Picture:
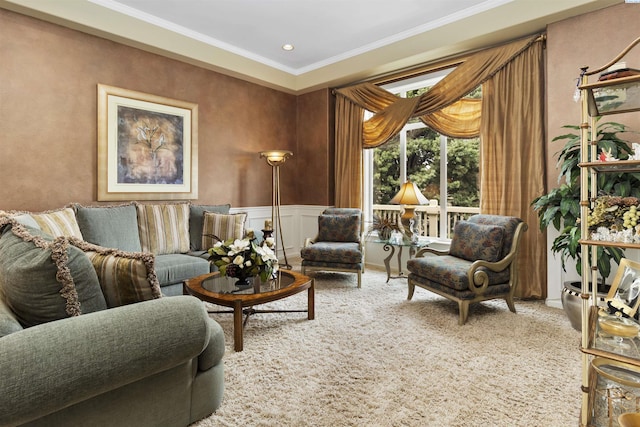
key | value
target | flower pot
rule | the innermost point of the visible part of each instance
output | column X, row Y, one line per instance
column 572, row 303
column 384, row 234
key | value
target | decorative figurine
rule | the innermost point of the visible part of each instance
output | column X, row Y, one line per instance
column 606, row 156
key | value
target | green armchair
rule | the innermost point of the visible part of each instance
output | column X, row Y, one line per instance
column 480, row 264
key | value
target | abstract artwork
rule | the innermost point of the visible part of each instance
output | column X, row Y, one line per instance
column 147, row 146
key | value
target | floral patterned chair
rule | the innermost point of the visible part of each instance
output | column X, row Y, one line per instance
column 479, row 265
column 338, row 245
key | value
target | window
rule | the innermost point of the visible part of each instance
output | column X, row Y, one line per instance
column 445, row 169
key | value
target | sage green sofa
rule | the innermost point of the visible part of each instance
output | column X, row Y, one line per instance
column 172, row 232
column 153, row 363
column 88, row 335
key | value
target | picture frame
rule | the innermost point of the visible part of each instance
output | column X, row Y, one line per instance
column 624, row 294
column 147, row 146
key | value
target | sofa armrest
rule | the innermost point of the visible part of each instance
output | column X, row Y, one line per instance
column 214, row 352
column 57, row 364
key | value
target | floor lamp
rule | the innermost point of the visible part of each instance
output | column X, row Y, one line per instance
column 275, row 158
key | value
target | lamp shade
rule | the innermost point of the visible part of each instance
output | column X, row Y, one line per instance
column 276, row 157
column 409, row 194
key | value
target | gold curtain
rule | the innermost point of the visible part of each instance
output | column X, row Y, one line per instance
column 349, row 168
column 511, row 128
column 512, row 153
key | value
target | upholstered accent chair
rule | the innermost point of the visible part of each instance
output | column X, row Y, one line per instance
column 480, row 264
column 339, row 245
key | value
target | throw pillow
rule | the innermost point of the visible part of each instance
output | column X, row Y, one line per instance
column 58, row 223
column 110, row 226
column 196, row 219
column 477, row 241
column 339, row 228
column 45, row 278
column 220, row 227
column 125, row 277
column 164, row 228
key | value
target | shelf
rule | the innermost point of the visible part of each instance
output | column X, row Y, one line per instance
column 604, row 345
column 613, row 96
column 616, row 166
column 608, row 243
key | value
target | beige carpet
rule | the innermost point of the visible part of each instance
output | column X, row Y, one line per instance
column 372, row 358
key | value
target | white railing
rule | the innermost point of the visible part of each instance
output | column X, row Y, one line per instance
column 428, row 217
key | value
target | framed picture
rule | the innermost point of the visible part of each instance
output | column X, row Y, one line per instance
column 147, row 146
column 625, row 289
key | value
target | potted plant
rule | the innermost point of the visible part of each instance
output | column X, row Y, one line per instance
column 384, row 227
column 560, row 207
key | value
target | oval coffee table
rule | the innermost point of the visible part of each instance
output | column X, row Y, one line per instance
column 221, row 290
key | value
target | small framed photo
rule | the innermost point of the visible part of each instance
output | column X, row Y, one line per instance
column 147, row 146
column 625, row 289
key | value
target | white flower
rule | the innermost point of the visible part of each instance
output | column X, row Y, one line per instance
column 217, row 244
column 248, row 263
column 239, row 245
column 270, row 242
column 266, row 254
column 239, row 260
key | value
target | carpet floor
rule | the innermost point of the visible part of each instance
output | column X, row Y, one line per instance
column 373, row 358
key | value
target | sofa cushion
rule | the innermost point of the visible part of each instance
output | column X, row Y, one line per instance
column 125, row 277
column 477, row 241
column 196, row 221
column 176, row 268
column 61, row 222
column 341, row 252
column 45, row 278
column 220, row 227
column 451, row 271
column 8, row 322
column 164, row 228
column 339, row 228
column 110, row 226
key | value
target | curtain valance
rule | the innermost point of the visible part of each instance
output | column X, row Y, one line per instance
column 442, row 107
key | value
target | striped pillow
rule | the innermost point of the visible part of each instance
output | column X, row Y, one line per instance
column 58, row 223
column 125, row 277
column 223, row 227
column 164, row 229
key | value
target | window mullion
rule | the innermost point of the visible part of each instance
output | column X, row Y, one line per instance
column 444, row 220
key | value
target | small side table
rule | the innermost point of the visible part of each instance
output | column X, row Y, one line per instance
column 389, row 246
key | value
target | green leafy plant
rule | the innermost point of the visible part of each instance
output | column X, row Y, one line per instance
column 560, row 207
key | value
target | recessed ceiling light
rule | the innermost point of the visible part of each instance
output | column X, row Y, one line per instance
column 287, row 47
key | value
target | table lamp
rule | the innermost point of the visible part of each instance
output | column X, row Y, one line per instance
column 275, row 158
column 409, row 197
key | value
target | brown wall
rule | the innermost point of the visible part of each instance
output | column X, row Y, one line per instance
column 48, row 136
column 593, row 40
column 315, row 111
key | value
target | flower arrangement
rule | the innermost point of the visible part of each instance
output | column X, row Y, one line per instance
column 244, row 258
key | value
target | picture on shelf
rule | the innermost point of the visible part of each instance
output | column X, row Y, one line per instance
column 623, row 298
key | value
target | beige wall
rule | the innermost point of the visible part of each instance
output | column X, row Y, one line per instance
column 590, row 40
column 48, row 137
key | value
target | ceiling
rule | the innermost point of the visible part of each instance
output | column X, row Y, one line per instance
column 335, row 41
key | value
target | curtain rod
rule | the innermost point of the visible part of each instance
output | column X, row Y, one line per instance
column 428, row 67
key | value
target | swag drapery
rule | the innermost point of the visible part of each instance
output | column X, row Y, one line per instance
column 509, row 120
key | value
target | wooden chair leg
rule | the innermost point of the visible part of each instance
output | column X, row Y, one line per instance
column 509, row 300
column 412, row 288
column 464, row 312
column 359, row 279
